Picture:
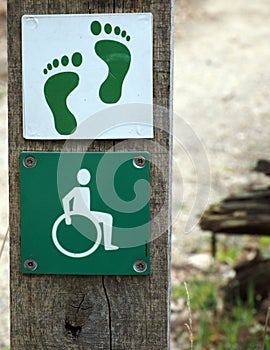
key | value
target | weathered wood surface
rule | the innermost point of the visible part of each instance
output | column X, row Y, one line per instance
column 92, row 312
column 245, row 213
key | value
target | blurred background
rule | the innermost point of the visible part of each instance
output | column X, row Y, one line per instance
column 221, row 128
column 222, row 90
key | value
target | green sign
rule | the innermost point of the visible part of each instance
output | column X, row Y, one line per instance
column 85, row 213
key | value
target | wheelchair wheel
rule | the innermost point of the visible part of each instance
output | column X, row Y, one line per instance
column 90, row 217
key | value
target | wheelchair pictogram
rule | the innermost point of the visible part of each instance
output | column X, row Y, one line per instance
column 77, row 203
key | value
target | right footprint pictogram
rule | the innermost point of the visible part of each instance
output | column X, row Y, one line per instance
column 117, row 57
column 57, row 89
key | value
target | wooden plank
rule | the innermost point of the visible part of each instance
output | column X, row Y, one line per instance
column 243, row 213
column 93, row 312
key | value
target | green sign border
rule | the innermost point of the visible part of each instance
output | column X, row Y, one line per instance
column 117, row 187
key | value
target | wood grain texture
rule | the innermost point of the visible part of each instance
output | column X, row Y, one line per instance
column 93, row 312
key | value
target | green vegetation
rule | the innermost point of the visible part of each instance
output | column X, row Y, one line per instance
column 264, row 243
column 233, row 329
column 228, row 253
column 202, row 294
column 213, row 325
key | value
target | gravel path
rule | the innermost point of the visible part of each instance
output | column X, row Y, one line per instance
column 222, row 90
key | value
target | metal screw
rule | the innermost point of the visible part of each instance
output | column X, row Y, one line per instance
column 30, row 264
column 29, row 161
column 139, row 161
column 140, row 266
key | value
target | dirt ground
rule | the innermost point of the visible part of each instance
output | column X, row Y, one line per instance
column 222, row 109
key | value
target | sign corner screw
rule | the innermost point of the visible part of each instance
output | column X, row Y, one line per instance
column 139, row 161
column 140, row 266
column 29, row 161
column 30, row 264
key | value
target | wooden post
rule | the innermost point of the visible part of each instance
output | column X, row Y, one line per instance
column 93, row 312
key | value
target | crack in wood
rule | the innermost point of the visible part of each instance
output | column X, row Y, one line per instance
column 80, row 305
column 80, row 308
column 109, row 310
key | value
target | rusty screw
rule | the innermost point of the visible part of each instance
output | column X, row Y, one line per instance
column 139, row 161
column 30, row 264
column 29, row 161
column 140, row 266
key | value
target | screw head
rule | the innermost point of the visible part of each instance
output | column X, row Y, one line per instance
column 29, row 161
column 140, row 266
column 139, row 161
column 30, row 264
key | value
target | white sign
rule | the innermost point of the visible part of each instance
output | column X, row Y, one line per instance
column 87, row 76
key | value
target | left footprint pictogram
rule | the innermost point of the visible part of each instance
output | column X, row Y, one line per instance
column 58, row 88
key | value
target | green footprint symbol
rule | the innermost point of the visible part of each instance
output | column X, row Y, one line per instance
column 56, row 91
column 117, row 57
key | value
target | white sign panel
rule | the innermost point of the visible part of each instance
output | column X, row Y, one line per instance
column 87, row 76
